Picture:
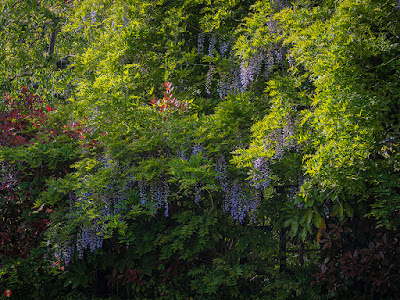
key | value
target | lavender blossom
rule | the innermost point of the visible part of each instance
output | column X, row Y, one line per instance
column 142, row 192
column 272, row 26
column 93, row 15
column 89, row 238
column 126, row 21
column 159, row 192
column 223, row 47
column 210, row 75
column 239, row 203
column 211, row 47
column 291, row 60
column 221, row 173
column 250, row 68
column 197, row 149
column 197, row 195
column 260, row 173
column 200, row 43
column 325, row 209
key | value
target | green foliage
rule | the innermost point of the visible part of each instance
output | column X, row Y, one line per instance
column 21, row 277
column 33, row 50
column 198, row 147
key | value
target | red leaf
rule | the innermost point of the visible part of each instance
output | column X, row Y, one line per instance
column 371, row 245
column 49, row 108
column 327, row 245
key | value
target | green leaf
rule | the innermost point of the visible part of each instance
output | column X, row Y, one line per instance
column 348, row 210
column 316, row 219
column 309, row 215
column 295, row 227
column 288, row 222
column 303, row 234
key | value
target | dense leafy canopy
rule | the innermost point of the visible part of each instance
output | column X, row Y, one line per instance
column 200, row 149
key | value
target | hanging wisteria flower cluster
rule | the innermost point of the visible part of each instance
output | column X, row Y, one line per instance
column 260, row 174
column 250, row 68
column 155, row 192
column 239, row 200
column 93, row 15
column 64, row 253
column 89, row 238
column 197, row 150
column 282, row 139
column 280, row 4
column 244, row 70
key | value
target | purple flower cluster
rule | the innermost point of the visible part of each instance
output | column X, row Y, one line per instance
column 159, row 192
column 211, row 47
column 200, row 43
column 260, row 173
column 221, row 173
column 106, row 209
column 89, row 238
column 209, row 77
column 126, row 21
column 197, row 149
column 269, row 65
column 93, row 15
column 279, row 54
column 251, row 67
column 292, row 193
column 243, row 71
column 223, row 44
column 291, row 61
column 282, row 139
column 64, row 253
column 223, row 47
column 326, row 210
column 272, row 26
column 277, row 137
column 142, row 192
column 288, row 131
column 223, row 88
column 230, row 83
column 197, row 193
column 281, row 4
column 57, row 252
column 239, row 202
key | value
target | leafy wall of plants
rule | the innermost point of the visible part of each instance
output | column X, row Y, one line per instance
column 201, row 149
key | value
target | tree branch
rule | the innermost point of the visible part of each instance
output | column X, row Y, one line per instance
column 25, row 74
column 53, row 39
